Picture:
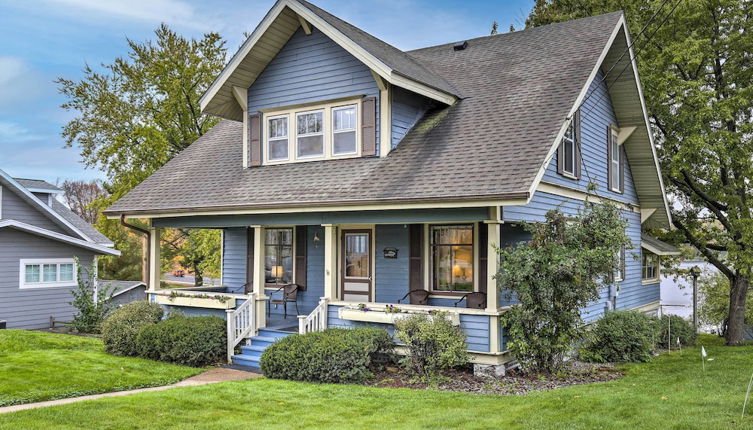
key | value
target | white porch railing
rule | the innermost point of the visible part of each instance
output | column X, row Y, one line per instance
column 315, row 321
column 241, row 324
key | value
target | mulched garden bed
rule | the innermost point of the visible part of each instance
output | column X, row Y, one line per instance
column 515, row 382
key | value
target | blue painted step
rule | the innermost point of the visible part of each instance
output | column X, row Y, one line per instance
column 250, row 355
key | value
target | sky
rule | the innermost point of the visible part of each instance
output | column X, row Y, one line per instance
column 46, row 39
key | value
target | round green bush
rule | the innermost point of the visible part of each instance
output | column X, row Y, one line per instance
column 332, row 356
column 191, row 341
column 120, row 329
column 621, row 336
column 432, row 342
column 672, row 327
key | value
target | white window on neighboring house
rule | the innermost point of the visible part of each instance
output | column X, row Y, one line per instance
column 344, row 123
column 43, row 273
column 310, row 135
column 278, row 144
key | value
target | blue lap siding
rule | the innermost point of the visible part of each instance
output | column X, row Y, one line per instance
column 311, row 68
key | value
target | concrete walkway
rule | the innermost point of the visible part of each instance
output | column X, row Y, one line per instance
column 212, row 376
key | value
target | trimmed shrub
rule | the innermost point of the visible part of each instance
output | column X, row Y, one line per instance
column 120, row 329
column 621, row 336
column 432, row 342
column 191, row 341
column 679, row 327
column 332, row 356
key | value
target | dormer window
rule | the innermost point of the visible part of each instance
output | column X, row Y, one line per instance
column 310, row 139
column 344, row 130
column 277, row 142
column 319, row 132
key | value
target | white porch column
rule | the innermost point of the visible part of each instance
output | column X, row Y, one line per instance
column 155, row 268
column 330, row 261
column 258, row 277
column 492, row 260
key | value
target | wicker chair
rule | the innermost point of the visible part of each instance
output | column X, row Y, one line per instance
column 289, row 295
column 417, row 297
column 473, row 300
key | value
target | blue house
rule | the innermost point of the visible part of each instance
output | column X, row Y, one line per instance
column 346, row 173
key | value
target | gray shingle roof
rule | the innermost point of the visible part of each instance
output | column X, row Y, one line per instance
column 79, row 223
column 657, row 246
column 396, row 59
column 119, row 287
column 518, row 89
column 37, row 183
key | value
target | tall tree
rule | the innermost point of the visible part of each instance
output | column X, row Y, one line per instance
column 696, row 72
column 80, row 196
column 140, row 111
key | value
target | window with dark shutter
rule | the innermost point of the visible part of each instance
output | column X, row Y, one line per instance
column 301, row 249
column 368, row 127
column 249, row 287
column 483, row 255
column 415, row 263
column 254, row 139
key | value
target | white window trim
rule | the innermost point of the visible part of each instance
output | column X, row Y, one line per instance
column 327, row 130
column 621, row 256
column 293, row 244
column 41, row 261
column 615, row 170
column 321, row 133
column 267, row 138
column 348, row 130
column 429, row 264
column 656, row 278
column 565, row 140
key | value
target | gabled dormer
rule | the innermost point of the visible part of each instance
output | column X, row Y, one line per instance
column 310, row 87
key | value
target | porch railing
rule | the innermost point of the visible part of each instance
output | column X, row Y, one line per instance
column 241, row 324
column 315, row 321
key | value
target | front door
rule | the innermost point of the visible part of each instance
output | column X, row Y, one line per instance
column 356, row 265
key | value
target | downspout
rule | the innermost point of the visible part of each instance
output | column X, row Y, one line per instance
column 144, row 247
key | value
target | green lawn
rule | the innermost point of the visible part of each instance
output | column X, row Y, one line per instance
column 669, row 393
column 37, row 366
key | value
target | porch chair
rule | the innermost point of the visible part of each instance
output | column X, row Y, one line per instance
column 475, row 300
column 417, row 297
column 289, row 294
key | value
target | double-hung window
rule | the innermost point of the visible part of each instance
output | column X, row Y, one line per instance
column 278, row 255
column 313, row 132
column 47, row 273
column 278, row 145
column 569, row 152
column 310, row 136
column 619, row 271
column 615, row 162
column 452, row 257
column 344, row 130
column 650, row 265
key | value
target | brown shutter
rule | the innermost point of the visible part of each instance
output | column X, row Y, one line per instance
column 368, row 126
column 609, row 158
column 254, row 139
column 561, row 158
column 483, row 255
column 415, row 260
column 576, row 132
column 249, row 261
column 301, row 232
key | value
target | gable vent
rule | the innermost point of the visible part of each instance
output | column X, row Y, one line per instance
column 459, row 46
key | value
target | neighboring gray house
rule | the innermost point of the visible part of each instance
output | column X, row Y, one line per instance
column 124, row 291
column 39, row 241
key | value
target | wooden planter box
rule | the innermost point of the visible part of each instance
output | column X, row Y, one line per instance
column 383, row 317
column 196, row 302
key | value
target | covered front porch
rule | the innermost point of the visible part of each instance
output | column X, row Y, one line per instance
column 300, row 272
